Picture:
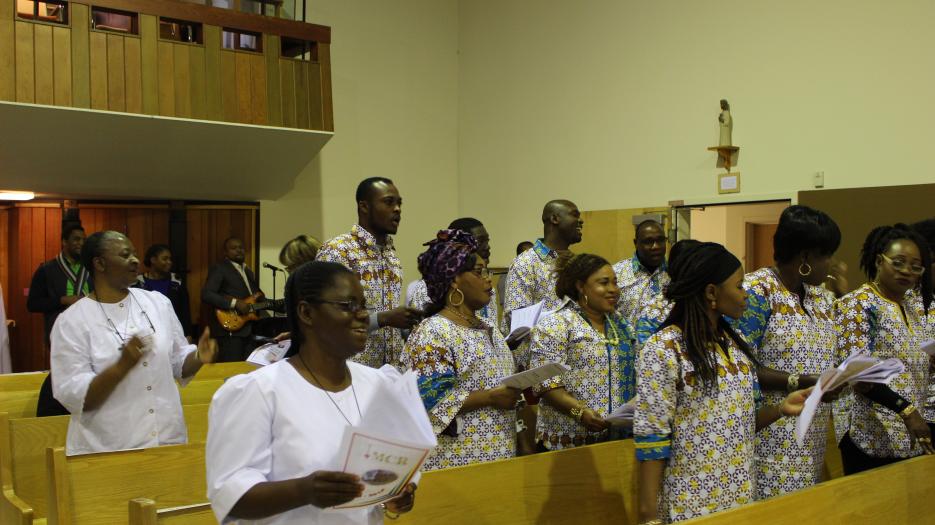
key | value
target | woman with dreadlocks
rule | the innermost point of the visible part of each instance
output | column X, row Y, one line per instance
column 698, row 407
column 460, row 359
column 881, row 424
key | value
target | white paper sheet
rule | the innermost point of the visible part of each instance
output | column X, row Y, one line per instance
column 534, row 376
column 525, row 318
column 856, row 368
column 928, row 346
column 269, row 353
column 623, row 415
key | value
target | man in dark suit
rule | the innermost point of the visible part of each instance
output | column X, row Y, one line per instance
column 229, row 283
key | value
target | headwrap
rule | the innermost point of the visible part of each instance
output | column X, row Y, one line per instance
column 443, row 259
column 715, row 265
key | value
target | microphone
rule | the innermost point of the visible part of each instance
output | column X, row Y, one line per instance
column 271, row 267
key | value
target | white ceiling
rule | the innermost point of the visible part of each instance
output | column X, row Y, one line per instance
column 80, row 152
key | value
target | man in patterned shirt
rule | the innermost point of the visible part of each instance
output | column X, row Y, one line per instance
column 368, row 250
column 530, row 278
column 644, row 275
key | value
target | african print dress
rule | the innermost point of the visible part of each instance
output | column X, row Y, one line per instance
column 704, row 433
column 452, row 361
column 601, row 375
column 791, row 339
column 652, row 316
column 867, row 322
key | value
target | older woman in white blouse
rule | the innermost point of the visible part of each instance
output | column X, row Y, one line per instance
column 117, row 354
column 274, row 434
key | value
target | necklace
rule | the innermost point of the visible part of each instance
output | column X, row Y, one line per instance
column 472, row 322
column 126, row 323
column 333, row 402
column 614, row 338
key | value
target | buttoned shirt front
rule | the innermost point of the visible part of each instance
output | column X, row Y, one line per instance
column 638, row 286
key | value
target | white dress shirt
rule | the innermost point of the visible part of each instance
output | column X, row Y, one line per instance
column 145, row 409
column 273, row 425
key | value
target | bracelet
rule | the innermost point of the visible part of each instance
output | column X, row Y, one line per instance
column 576, row 412
column 908, row 411
column 792, row 383
column 387, row 513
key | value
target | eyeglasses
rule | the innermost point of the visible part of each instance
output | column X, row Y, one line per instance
column 481, row 272
column 348, row 306
column 901, row 265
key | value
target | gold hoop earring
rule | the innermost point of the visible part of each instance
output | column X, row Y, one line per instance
column 451, row 301
column 805, row 273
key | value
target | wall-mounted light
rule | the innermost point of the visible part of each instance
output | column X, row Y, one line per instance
column 17, row 195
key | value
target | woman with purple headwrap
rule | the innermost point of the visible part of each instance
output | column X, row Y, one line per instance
column 460, row 359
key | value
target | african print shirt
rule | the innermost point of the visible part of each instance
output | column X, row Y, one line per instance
column 704, row 433
column 420, row 297
column 651, row 317
column 638, row 286
column 791, row 339
column 867, row 322
column 452, row 361
column 381, row 276
column 601, row 375
column 928, row 412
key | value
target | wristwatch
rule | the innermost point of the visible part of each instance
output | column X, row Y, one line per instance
column 576, row 412
column 792, row 383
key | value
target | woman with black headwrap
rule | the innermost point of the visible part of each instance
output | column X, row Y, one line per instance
column 461, row 359
column 698, row 407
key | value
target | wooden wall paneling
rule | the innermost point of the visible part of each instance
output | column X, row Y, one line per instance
column 243, row 85
column 196, row 63
column 301, row 95
column 42, row 49
column 213, row 106
column 198, row 265
column 287, row 75
column 5, row 253
column 133, row 78
column 116, row 73
column 315, row 115
column 229, row 86
column 25, row 63
column 327, row 110
column 61, row 48
column 97, row 44
column 166, row 76
column 258, row 91
column 149, row 69
column 80, row 56
column 183, row 81
column 7, row 52
column 272, row 50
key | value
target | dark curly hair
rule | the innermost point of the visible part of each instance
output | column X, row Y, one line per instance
column 154, row 251
column 572, row 269
column 307, row 284
column 804, row 229
column 881, row 238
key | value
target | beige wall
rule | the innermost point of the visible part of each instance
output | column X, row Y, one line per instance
column 612, row 104
column 395, row 84
column 728, row 224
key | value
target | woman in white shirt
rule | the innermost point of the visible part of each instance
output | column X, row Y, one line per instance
column 274, row 434
column 116, row 355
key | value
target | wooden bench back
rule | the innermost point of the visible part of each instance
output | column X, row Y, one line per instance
column 96, row 488
column 22, row 381
column 144, row 511
column 594, row 484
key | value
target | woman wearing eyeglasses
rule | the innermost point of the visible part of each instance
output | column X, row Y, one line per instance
column 881, row 424
column 274, row 435
column 460, row 359
column 591, row 338
column 116, row 355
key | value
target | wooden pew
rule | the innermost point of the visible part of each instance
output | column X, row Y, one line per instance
column 593, row 484
column 224, row 370
column 22, row 381
column 898, row 493
column 23, row 444
column 144, row 511
column 96, row 488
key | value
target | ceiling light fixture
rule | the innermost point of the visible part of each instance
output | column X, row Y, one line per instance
column 17, row 195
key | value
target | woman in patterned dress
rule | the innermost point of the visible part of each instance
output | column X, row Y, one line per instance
column 698, row 397
column 460, row 359
column 594, row 341
column 880, row 424
column 788, row 323
column 926, row 229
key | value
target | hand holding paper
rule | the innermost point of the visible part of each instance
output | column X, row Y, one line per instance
column 533, row 377
column 623, row 415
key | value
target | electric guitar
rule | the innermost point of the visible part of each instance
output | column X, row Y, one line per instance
column 232, row 321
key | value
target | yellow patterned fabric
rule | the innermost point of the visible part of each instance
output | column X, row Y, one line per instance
column 791, row 339
column 601, row 375
column 531, row 279
column 928, row 412
column 420, row 297
column 452, row 361
column 705, row 434
column 638, row 286
column 867, row 322
column 381, row 276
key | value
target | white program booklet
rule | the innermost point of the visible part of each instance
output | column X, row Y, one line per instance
column 523, row 319
column 623, row 415
column 534, row 376
column 856, row 368
column 269, row 353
